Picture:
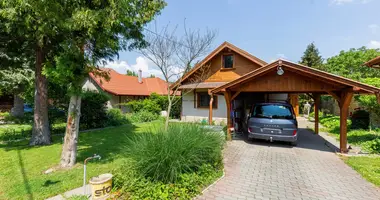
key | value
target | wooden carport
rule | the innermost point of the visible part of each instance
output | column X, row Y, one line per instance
column 296, row 79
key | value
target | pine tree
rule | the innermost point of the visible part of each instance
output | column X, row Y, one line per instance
column 131, row 73
column 311, row 57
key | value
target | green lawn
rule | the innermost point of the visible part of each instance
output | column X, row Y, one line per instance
column 22, row 167
column 367, row 166
column 20, row 131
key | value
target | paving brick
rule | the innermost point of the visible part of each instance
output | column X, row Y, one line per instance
column 262, row 170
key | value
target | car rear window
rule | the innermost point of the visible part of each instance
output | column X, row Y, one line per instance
column 272, row 111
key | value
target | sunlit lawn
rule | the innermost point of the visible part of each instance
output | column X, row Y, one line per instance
column 367, row 166
column 22, row 167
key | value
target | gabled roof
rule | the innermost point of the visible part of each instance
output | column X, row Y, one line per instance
column 214, row 53
column 321, row 75
column 375, row 63
column 120, row 84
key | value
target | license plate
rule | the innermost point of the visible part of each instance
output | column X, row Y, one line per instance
column 272, row 131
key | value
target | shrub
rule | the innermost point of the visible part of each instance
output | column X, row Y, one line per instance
column 142, row 116
column 372, row 146
column 94, row 110
column 184, row 148
column 360, row 119
column 134, row 186
column 156, row 103
column 116, row 118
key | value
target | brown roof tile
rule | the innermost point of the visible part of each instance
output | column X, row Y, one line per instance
column 120, row 84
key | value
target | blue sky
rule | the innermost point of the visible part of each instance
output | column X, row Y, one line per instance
column 270, row 29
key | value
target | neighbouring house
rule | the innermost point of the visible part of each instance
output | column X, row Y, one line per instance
column 234, row 80
column 123, row 88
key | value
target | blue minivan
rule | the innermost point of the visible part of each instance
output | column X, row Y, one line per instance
column 273, row 122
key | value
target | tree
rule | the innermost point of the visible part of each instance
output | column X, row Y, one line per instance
column 33, row 27
column 174, row 57
column 311, row 57
column 350, row 63
column 93, row 36
column 16, row 81
column 131, row 73
column 152, row 76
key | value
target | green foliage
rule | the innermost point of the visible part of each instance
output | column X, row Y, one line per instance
column 9, row 119
column 349, row 63
column 116, row 118
column 22, row 131
column 142, row 116
column 93, row 110
column 184, row 148
column 311, row 57
column 369, row 102
column 16, row 80
column 131, row 73
column 135, row 186
column 154, row 104
column 360, row 119
column 372, row 146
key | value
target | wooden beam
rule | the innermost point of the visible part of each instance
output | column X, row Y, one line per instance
column 236, row 94
column 227, row 96
column 310, row 95
column 346, row 98
column 210, row 109
column 334, row 95
column 378, row 97
column 317, row 102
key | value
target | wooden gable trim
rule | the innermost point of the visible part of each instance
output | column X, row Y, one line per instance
column 213, row 54
column 373, row 62
column 308, row 70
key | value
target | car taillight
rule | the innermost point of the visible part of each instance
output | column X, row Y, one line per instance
column 294, row 132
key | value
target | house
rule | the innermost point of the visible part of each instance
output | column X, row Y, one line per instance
column 226, row 63
column 123, row 88
column 235, row 80
column 374, row 63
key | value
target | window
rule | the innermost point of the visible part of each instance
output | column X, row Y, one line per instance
column 228, row 61
column 272, row 111
column 203, row 100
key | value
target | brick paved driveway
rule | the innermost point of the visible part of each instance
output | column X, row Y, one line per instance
column 261, row 170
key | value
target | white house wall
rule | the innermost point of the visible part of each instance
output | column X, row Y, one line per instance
column 191, row 114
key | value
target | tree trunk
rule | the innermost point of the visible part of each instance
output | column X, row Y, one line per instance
column 18, row 106
column 168, row 113
column 41, row 131
column 69, row 149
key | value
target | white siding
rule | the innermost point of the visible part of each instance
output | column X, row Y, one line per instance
column 191, row 114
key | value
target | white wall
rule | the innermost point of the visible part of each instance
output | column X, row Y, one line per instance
column 191, row 114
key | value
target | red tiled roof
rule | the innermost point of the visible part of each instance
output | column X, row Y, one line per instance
column 120, row 84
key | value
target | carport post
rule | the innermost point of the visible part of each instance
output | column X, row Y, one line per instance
column 317, row 102
column 227, row 96
column 344, row 105
column 210, row 108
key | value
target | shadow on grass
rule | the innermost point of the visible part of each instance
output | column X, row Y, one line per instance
column 108, row 143
column 24, row 176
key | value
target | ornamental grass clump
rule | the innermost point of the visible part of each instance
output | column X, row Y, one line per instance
column 164, row 155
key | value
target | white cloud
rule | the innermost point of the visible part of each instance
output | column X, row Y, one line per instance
column 374, row 28
column 341, row 2
column 373, row 44
column 142, row 63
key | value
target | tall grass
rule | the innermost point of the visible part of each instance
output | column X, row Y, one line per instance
column 164, row 155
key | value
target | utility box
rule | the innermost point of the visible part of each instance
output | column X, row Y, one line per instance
column 101, row 186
